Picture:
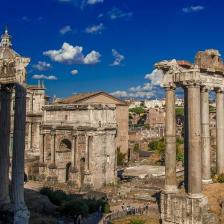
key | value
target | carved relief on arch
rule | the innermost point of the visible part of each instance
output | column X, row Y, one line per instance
column 60, row 138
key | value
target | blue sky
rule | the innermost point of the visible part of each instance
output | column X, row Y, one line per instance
column 109, row 45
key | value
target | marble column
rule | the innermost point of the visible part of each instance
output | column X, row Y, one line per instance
column 170, row 135
column 87, row 153
column 5, row 99
column 220, row 131
column 186, row 139
column 21, row 213
column 194, row 142
column 42, row 143
column 53, row 149
column 74, row 150
column 205, row 136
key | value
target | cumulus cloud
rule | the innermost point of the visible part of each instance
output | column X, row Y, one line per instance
column 116, row 13
column 74, row 72
column 42, row 66
column 65, row 29
column 118, row 58
column 147, row 90
column 73, row 55
column 195, row 8
column 93, row 2
column 95, row 29
column 50, row 77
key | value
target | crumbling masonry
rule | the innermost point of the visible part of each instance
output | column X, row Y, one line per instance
column 206, row 74
column 12, row 79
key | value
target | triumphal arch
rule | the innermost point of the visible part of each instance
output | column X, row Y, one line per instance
column 198, row 79
column 12, row 80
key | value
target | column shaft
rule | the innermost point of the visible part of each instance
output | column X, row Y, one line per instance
column 186, row 139
column 220, row 131
column 170, row 133
column 194, row 142
column 205, row 137
column 5, row 99
column 53, row 149
column 74, row 150
column 42, row 148
column 87, row 153
column 21, row 214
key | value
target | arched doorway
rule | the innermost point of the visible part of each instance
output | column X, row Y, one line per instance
column 82, row 170
column 68, row 167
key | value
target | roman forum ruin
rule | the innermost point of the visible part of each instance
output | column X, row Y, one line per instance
column 12, row 80
column 197, row 80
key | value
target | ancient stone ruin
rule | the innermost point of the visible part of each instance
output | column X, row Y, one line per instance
column 197, row 80
column 12, row 79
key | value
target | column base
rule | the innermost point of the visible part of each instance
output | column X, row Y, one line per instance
column 21, row 215
column 171, row 189
column 195, row 196
column 209, row 181
column 180, row 209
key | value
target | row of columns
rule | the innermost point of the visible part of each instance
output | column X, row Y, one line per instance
column 21, row 214
column 74, row 156
column 197, row 138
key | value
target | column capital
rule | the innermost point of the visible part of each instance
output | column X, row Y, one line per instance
column 206, row 89
column 191, row 83
column 169, row 86
column 219, row 90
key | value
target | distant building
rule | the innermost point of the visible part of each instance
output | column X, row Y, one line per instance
column 154, row 103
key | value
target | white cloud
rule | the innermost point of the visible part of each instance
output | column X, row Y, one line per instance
column 119, row 93
column 190, row 9
column 118, row 58
column 155, row 77
column 147, row 90
column 92, row 58
column 95, row 29
column 65, row 29
column 74, row 72
column 93, row 2
column 42, row 66
column 116, row 13
column 73, row 55
column 50, row 77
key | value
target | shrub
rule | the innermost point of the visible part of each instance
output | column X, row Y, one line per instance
column 120, row 158
column 75, row 207
column 220, row 178
column 106, row 208
column 56, row 197
column 137, row 221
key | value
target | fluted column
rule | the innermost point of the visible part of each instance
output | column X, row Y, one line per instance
column 194, row 142
column 220, row 131
column 205, row 136
column 170, row 135
column 21, row 213
column 5, row 99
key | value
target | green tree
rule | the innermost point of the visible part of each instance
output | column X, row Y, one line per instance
column 137, row 110
column 120, row 158
column 179, row 111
